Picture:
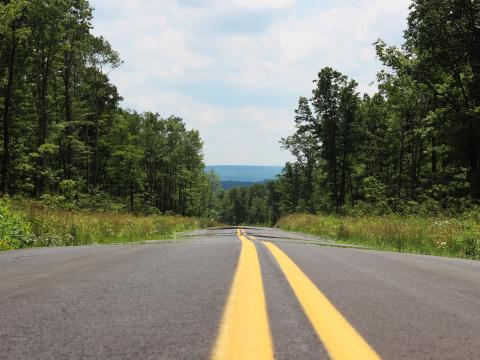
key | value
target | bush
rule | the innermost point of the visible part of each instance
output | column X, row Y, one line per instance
column 60, row 227
column 49, row 223
column 15, row 231
column 445, row 236
column 467, row 244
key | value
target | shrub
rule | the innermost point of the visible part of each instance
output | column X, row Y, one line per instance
column 446, row 236
column 468, row 244
column 34, row 223
column 14, row 229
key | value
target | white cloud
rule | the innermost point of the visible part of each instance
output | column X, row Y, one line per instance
column 261, row 4
column 234, row 69
column 253, row 5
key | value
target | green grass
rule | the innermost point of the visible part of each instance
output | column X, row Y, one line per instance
column 56, row 227
column 454, row 237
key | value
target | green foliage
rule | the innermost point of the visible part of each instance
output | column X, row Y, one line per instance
column 246, row 206
column 456, row 237
column 15, row 232
column 33, row 223
column 65, row 138
column 412, row 148
column 467, row 244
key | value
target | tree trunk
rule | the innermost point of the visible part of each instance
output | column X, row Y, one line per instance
column 343, row 179
column 400, row 162
column 131, row 197
column 334, row 164
column 6, row 113
column 68, row 112
column 474, row 48
column 95, row 146
column 308, row 175
column 40, row 183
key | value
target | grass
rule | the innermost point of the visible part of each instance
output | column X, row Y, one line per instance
column 454, row 237
column 56, row 227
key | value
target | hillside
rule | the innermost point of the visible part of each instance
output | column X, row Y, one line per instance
column 245, row 173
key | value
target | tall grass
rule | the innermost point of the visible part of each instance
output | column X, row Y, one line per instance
column 57, row 227
column 455, row 237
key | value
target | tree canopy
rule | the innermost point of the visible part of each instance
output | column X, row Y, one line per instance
column 413, row 146
column 64, row 135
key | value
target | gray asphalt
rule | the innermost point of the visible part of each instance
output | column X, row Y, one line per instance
column 165, row 300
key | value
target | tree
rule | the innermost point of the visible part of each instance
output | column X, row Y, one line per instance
column 63, row 128
column 303, row 145
column 13, row 32
column 335, row 102
column 444, row 39
column 124, row 167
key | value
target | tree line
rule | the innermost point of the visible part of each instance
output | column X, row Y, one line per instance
column 411, row 147
column 65, row 137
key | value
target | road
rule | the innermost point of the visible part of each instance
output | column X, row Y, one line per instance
column 251, row 293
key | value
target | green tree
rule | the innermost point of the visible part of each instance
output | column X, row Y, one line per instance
column 304, row 146
column 335, row 101
column 13, row 33
column 124, row 168
column 444, row 39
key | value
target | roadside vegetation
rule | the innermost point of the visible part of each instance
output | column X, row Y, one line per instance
column 34, row 224
column 63, row 131
column 443, row 236
column 398, row 169
column 78, row 168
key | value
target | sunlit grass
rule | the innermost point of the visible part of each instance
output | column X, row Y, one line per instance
column 456, row 237
column 57, row 227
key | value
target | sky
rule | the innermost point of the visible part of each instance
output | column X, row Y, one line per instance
column 234, row 69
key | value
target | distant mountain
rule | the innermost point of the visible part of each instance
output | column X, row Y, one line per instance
column 227, row 185
column 245, row 173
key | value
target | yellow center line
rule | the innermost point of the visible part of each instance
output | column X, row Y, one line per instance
column 250, row 237
column 341, row 340
column 245, row 331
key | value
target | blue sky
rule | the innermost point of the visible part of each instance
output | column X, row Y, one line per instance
column 234, row 69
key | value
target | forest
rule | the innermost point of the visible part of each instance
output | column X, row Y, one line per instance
column 65, row 139
column 412, row 147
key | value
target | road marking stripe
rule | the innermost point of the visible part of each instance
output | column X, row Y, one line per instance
column 249, row 237
column 245, row 331
column 341, row 340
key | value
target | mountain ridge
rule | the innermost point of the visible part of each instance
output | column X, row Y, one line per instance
column 245, row 173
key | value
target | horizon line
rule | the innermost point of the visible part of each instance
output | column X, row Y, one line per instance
column 244, row 165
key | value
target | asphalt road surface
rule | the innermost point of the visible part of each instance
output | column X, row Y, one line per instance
column 230, row 293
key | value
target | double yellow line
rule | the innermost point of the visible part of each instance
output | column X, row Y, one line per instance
column 245, row 330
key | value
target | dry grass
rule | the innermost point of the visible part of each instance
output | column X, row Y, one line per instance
column 56, row 227
column 456, row 237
